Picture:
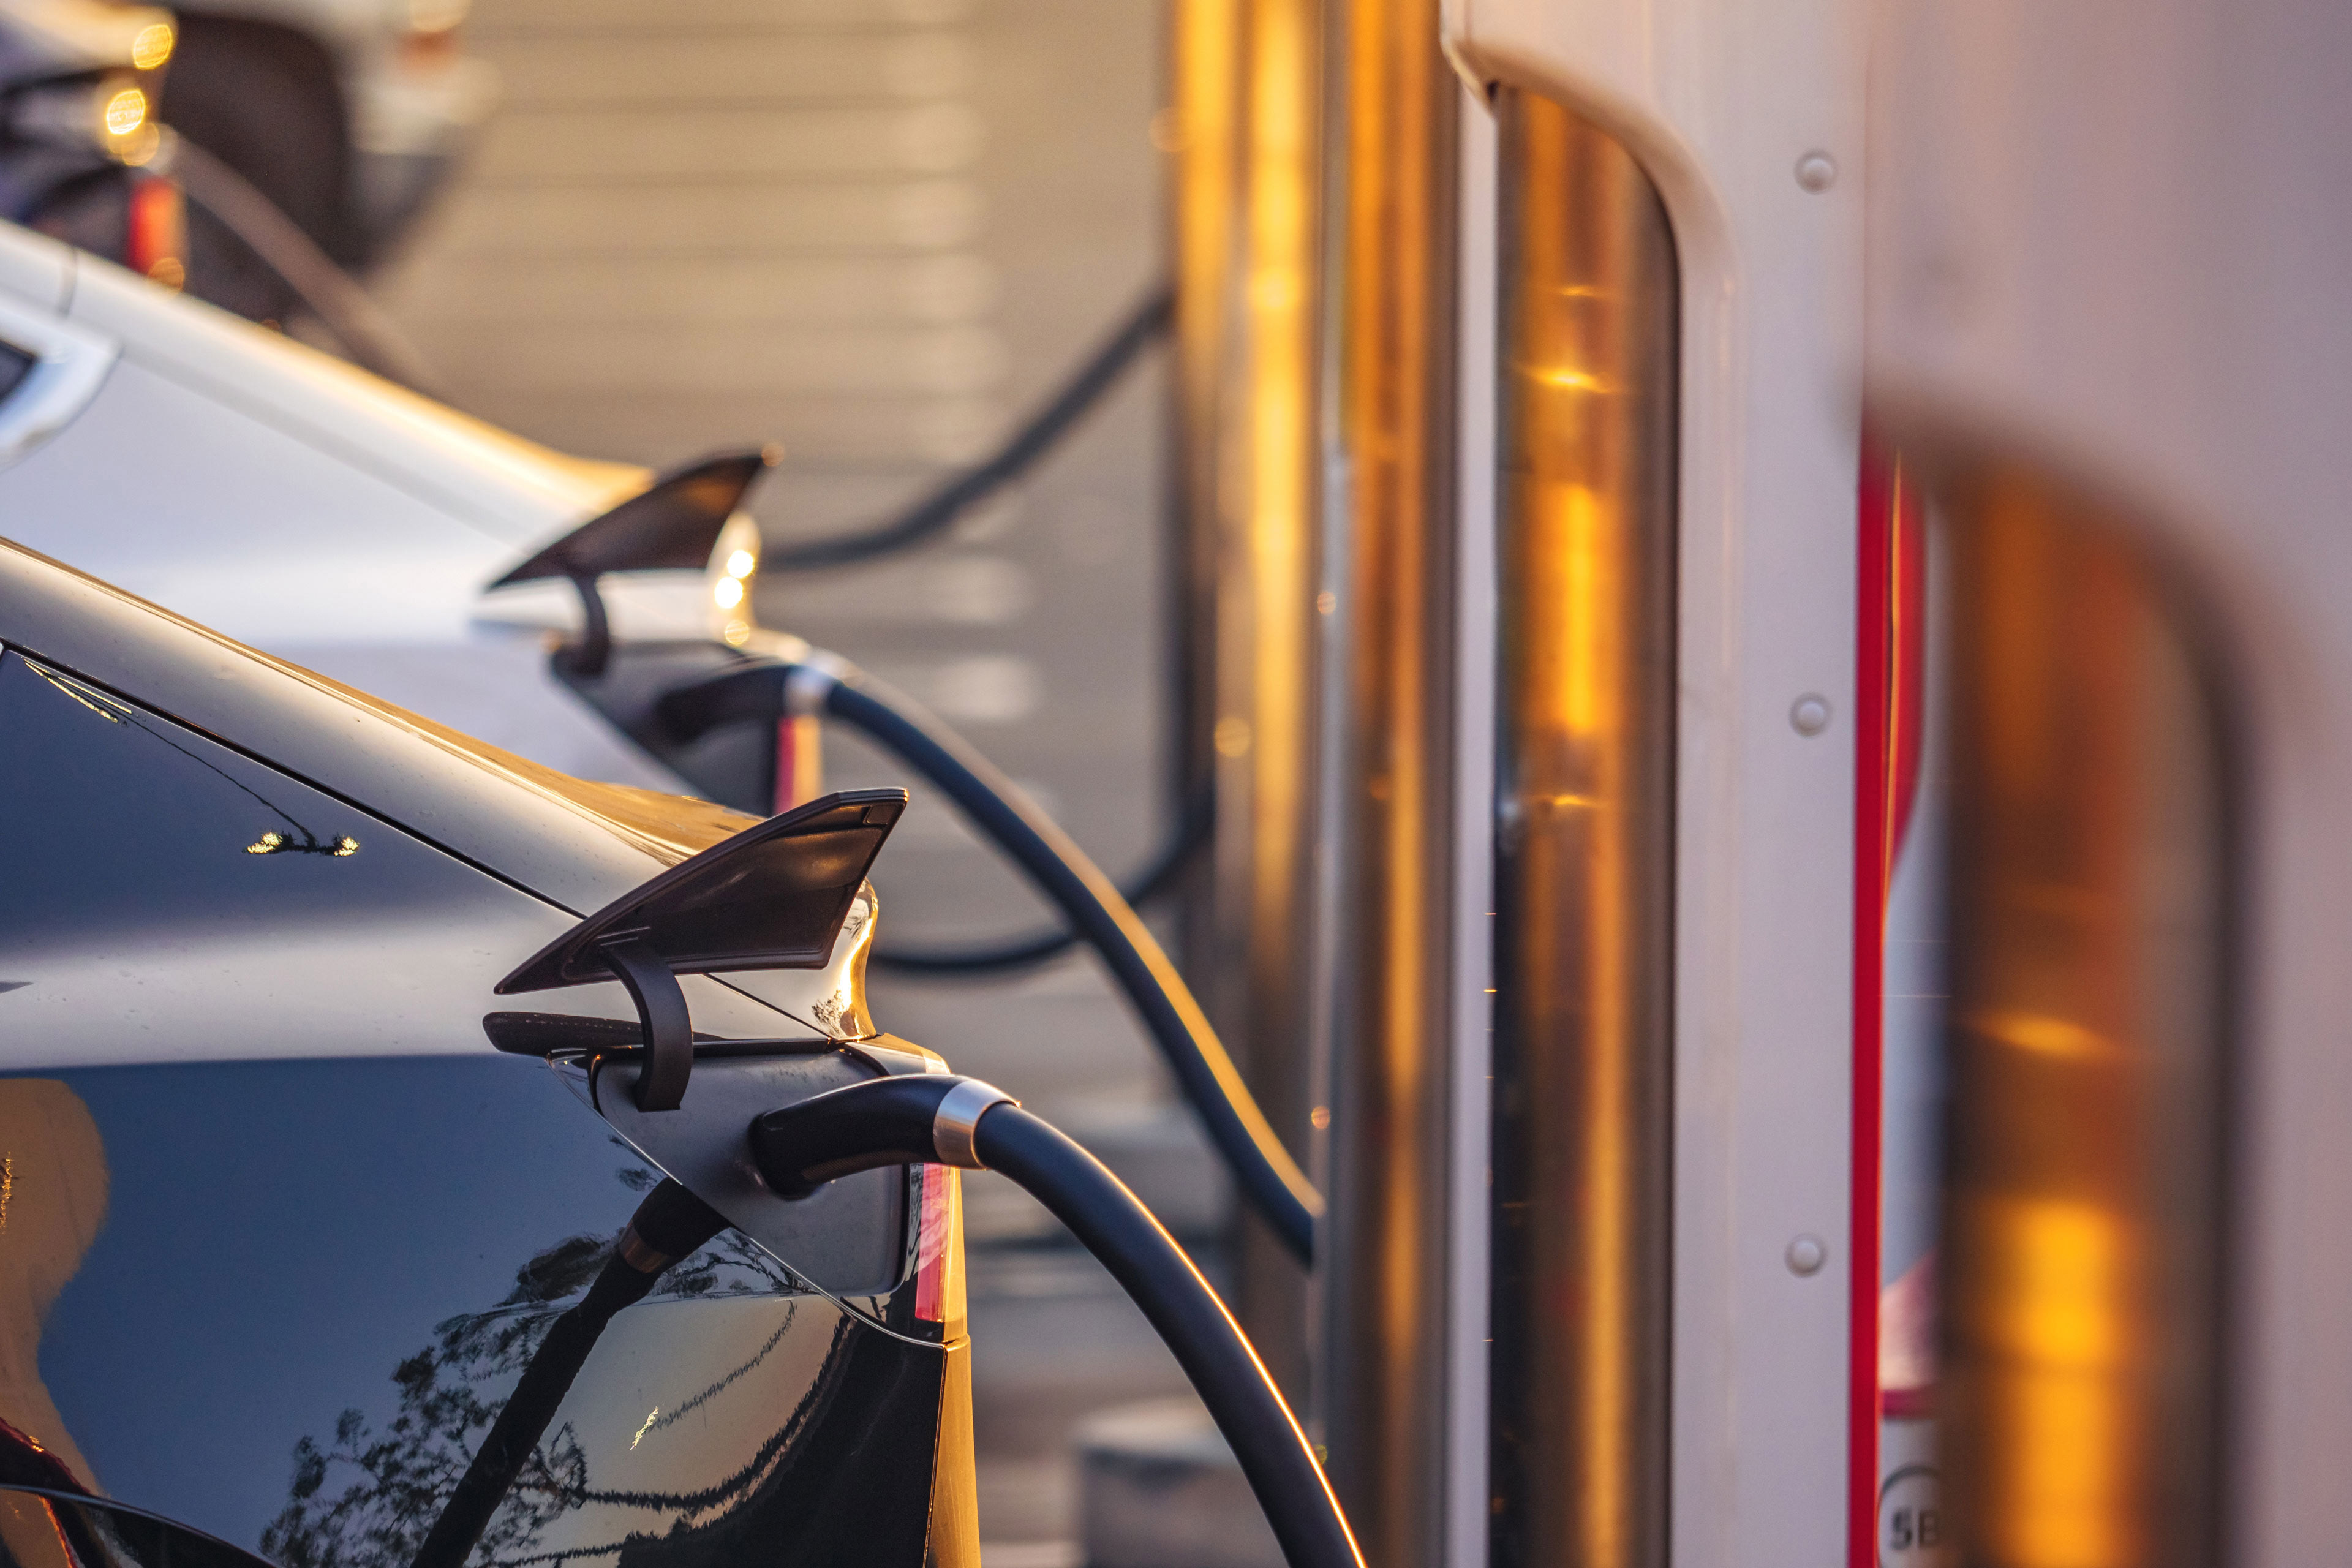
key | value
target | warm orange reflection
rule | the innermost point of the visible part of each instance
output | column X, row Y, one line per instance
column 125, row 111
column 1244, row 131
column 2088, row 929
column 1393, row 127
column 153, row 46
column 1275, row 550
column 1583, row 948
column 57, row 1184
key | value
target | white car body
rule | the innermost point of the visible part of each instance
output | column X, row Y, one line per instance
column 308, row 508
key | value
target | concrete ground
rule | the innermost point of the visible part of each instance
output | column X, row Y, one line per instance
column 876, row 231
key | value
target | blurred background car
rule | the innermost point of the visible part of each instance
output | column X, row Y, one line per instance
column 300, row 506
column 79, row 83
column 348, row 115
column 253, row 156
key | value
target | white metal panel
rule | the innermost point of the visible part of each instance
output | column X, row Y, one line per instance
column 495, row 686
column 239, row 525
column 1472, row 1179
column 1722, row 101
column 2115, row 238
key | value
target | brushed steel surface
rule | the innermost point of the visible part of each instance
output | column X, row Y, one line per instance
column 2081, row 1402
column 1585, row 849
column 1247, row 228
column 1382, row 1360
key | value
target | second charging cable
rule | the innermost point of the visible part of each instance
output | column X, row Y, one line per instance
column 821, row 684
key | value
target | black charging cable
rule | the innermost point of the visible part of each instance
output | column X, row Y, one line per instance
column 933, row 513
column 1269, row 1179
column 670, row 1223
column 1157, row 875
column 946, row 1120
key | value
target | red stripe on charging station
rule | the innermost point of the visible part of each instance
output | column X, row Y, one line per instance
column 1890, row 600
column 1872, row 619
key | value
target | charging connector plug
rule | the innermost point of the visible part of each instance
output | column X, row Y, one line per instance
column 945, row 1119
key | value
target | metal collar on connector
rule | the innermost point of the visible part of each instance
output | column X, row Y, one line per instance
column 812, row 680
column 958, row 1118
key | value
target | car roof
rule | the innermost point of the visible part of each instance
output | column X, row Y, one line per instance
column 577, row 844
column 513, row 489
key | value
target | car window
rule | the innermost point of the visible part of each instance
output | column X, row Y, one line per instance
column 42, row 1527
column 281, row 1302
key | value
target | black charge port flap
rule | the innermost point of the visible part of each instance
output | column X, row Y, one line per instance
column 674, row 523
column 772, row 897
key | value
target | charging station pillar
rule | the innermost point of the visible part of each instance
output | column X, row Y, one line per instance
column 1247, row 230
column 1392, row 768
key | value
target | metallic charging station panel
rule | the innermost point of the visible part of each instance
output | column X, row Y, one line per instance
column 849, row 1237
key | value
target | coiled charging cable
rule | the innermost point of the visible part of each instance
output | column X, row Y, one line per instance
column 1269, row 1179
column 945, row 1119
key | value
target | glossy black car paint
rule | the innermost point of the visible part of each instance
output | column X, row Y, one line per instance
column 288, row 1298
column 168, row 896
column 497, row 812
column 39, row 1526
column 271, row 1273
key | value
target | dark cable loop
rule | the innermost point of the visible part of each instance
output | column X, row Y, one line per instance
column 1156, row 877
column 345, row 308
column 1113, row 1223
column 1270, row 1180
column 942, row 506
